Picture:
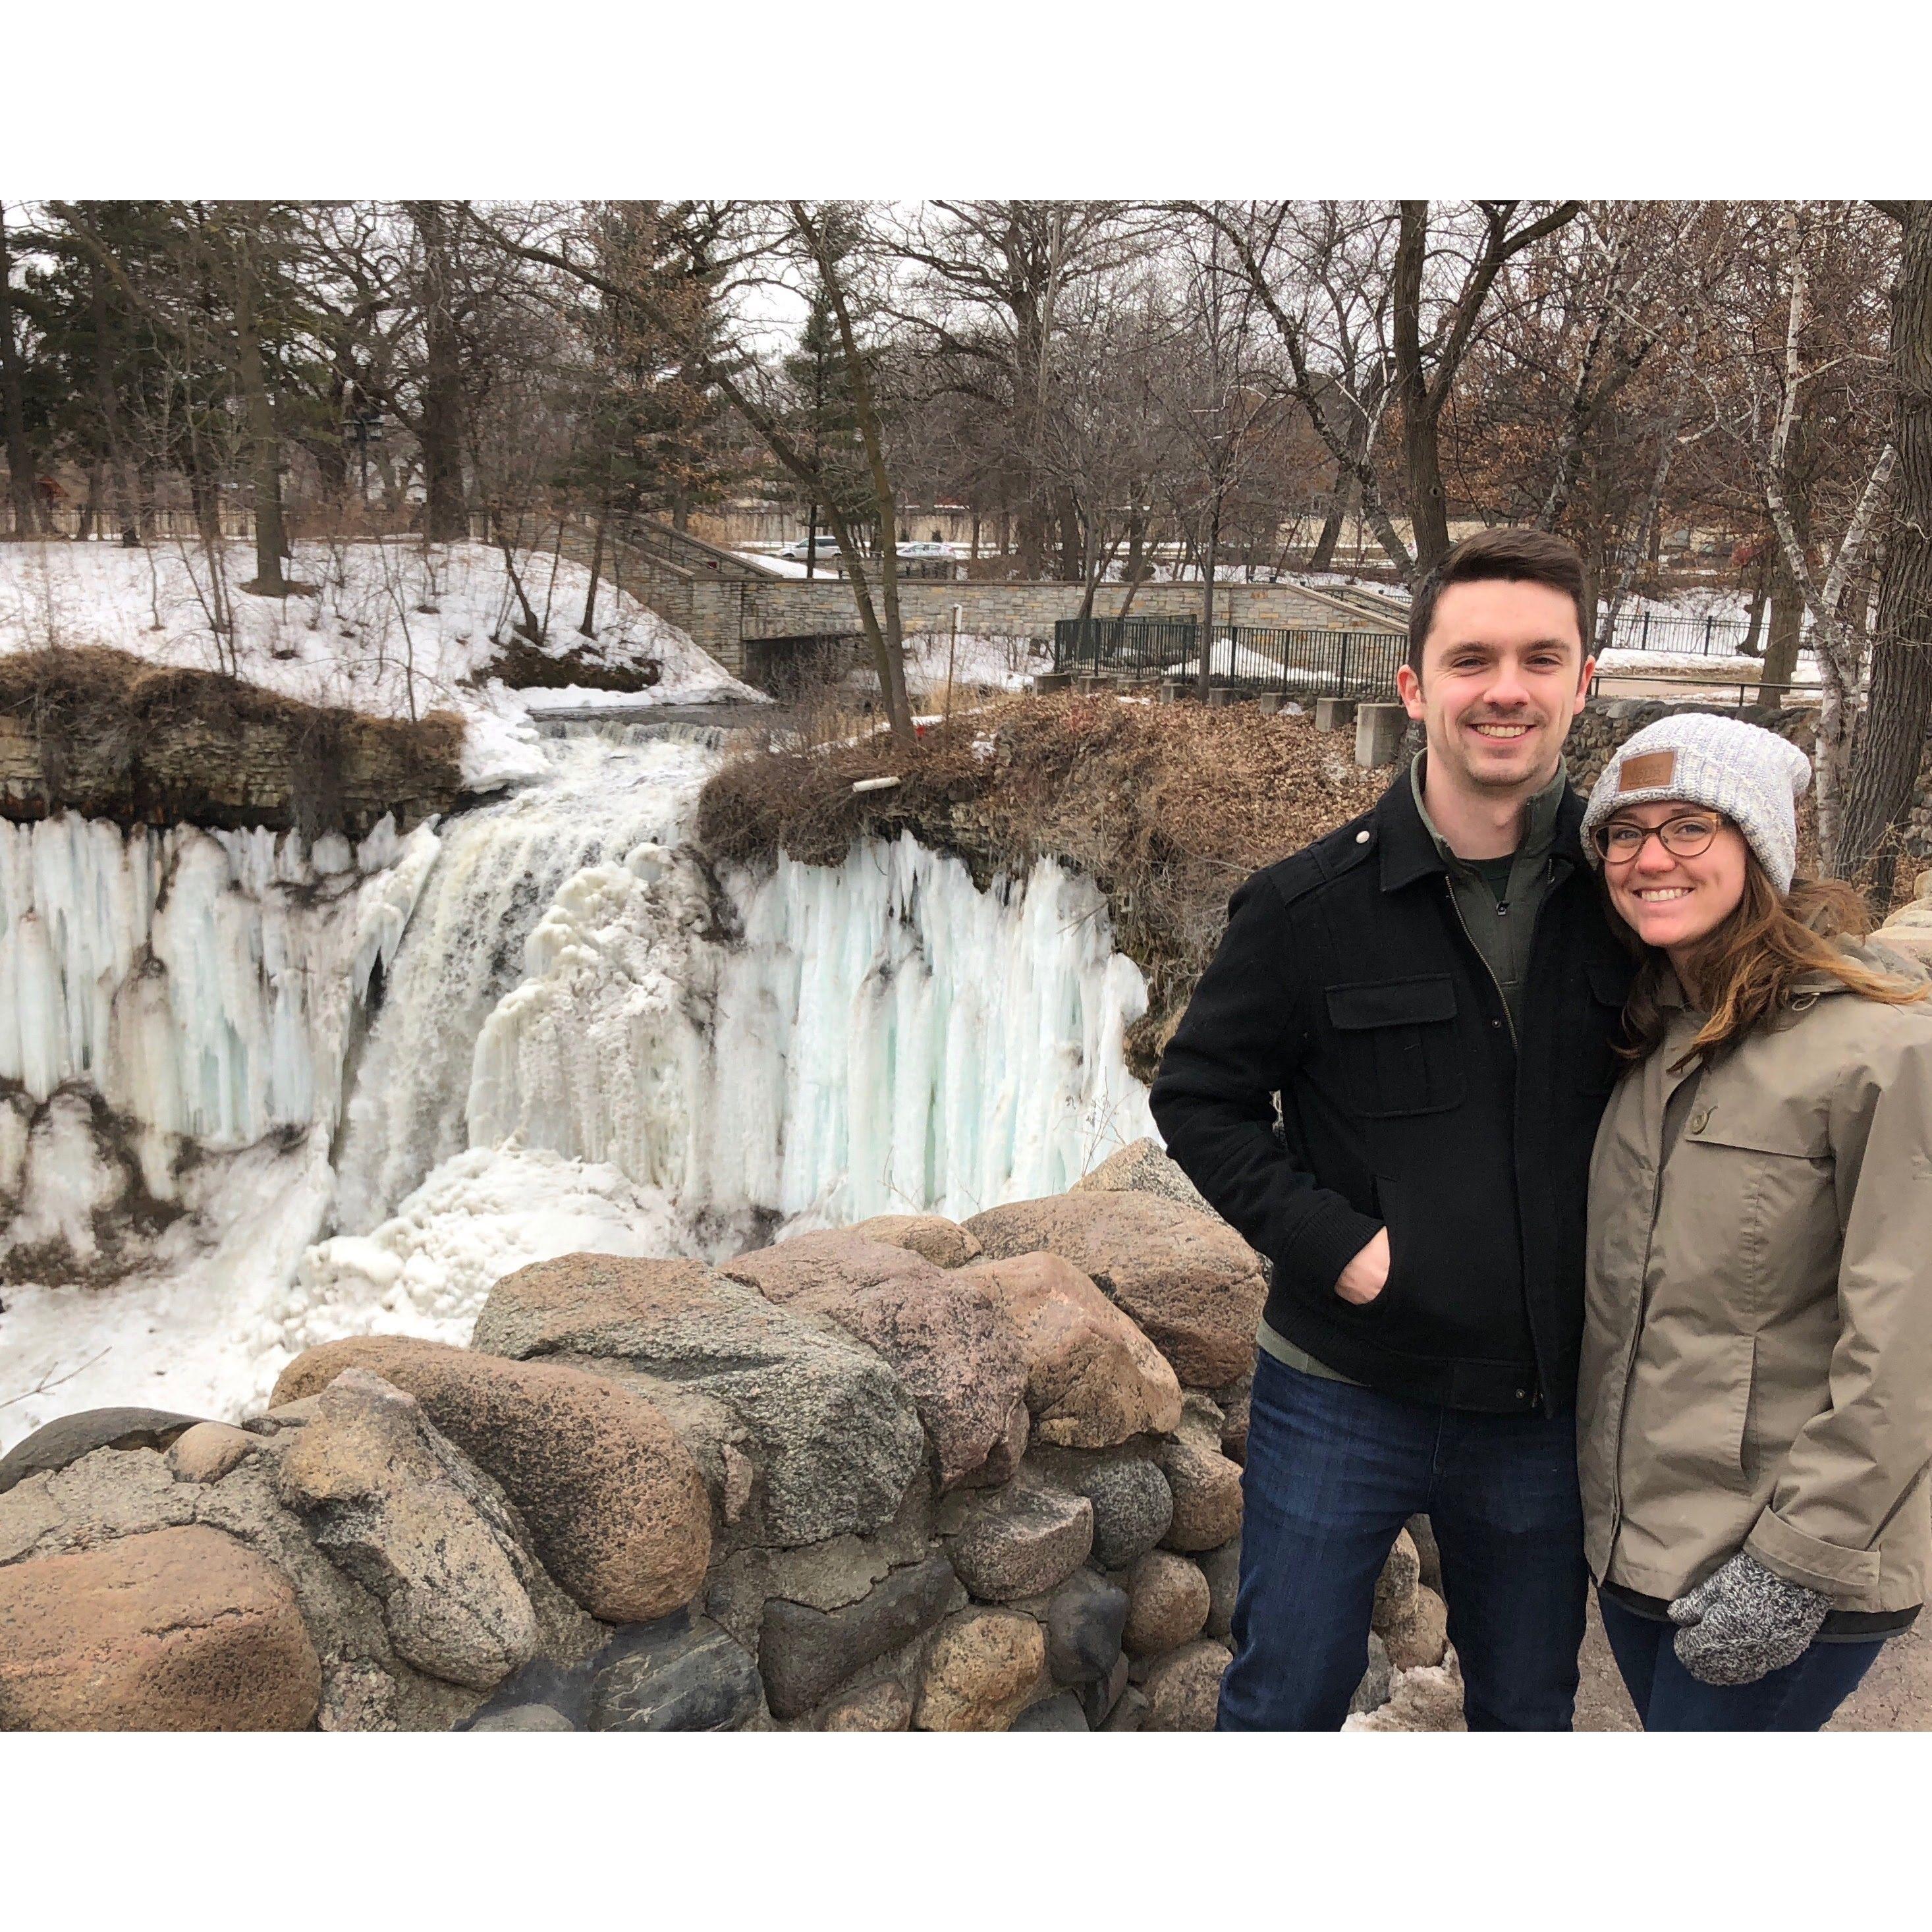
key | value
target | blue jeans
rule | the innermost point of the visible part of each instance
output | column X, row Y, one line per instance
column 1800, row 1697
column 1334, row 1471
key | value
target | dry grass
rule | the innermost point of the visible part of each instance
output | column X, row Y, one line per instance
column 1167, row 809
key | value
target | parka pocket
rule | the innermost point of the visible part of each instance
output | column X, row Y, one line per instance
column 1396, row 1042
column 1736, row 1461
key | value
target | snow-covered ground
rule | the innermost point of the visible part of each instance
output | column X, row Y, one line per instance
column 559, row 1051
column 974, row 661
column 395, row 629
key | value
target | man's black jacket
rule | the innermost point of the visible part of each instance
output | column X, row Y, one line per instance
column 1347, row 985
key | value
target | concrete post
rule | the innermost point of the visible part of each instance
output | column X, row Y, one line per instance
column 1378, row 733
column 1047, row 682
column 1334, row 714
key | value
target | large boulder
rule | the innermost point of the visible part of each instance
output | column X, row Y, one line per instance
column 942, row 1242
column 1183, row 1688
column 1187, row 1279
column 946, row 1338
column 1062, row 1713
column 829, row 1427
column 1223, row 1569
column 394, row 1505
column 837, row 1259
column 1021, row 1541
column 1207, row 1488
column 1168, row 1602
column 179, row 1629
column 682, row 1674
column 1083, row 1623
column 1132, row 1508
column 884, row 1706
column 71, row 1437
column 805, row 1654
column 1143, row 1167
column 981, row 1672
column 1093, row 1379
column 616, row 1511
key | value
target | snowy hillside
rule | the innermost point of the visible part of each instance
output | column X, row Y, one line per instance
column 393, row 629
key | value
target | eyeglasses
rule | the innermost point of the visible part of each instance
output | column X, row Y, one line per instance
column 1681, row 838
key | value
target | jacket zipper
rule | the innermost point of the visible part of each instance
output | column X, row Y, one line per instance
column 1515, row 1057
column 1509, row 1019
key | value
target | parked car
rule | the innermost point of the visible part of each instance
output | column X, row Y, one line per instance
column 925, row 552
column 803, row 551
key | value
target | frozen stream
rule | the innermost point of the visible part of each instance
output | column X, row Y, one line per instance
column 264, row 1099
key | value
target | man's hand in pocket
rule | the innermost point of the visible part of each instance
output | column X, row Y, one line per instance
column 1366, row 1277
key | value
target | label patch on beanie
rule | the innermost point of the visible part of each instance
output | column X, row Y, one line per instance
column 1647, row 772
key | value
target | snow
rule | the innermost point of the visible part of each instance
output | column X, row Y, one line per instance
column 978, row 660
column 394, row 629
column 426, row 1270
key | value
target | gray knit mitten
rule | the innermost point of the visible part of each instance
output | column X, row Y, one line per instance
column 1743, row 1622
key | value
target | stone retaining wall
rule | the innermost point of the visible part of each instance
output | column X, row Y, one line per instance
column 909, row 1474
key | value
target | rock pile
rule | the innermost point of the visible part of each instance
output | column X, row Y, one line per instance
column 909, row 1474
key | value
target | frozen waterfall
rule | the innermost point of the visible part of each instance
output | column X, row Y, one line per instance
column 579, row 1038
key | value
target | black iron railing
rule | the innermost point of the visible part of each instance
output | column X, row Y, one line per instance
column 1302, row 663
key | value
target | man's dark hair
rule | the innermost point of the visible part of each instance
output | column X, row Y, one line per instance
column 1508, row 555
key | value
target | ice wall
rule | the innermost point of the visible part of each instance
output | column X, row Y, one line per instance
column 172, row 993
column 882, row 1037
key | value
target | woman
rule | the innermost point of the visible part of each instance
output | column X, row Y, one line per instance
column 1755, row 1409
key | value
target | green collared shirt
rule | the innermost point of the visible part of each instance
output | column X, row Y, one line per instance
column 1500, row 926
column 1498, row 910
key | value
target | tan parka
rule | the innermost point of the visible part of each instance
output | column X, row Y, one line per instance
column 1757, row 1345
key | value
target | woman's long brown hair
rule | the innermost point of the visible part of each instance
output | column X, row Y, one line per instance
column 1745, row 972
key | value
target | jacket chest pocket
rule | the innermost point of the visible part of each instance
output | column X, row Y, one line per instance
column 1758, row 1207
column 1396, row 1040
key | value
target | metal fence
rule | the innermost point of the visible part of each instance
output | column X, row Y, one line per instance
column 1305, row 664
column 1691, row 636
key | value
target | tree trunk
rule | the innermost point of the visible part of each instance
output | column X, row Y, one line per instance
column 1787, row 625
column 883, row 629
column 22, row 478
column 1422, row 455
column 1209, row 556
column 588, row 624
column 445, row 514
column 1760, row 594
column 1324, row 558
column 1892, row 741
column 265, row 448
column 1072, row 548
column 108, row 401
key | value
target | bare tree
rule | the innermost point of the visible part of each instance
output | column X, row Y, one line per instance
column 1891, row 742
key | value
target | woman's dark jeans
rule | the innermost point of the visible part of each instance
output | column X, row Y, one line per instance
column 1334, row 1471
column 1800, row 1697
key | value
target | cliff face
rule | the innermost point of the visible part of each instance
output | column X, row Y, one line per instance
column 105, row 734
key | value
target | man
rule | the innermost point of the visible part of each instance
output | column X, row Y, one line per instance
column 1431, row 993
